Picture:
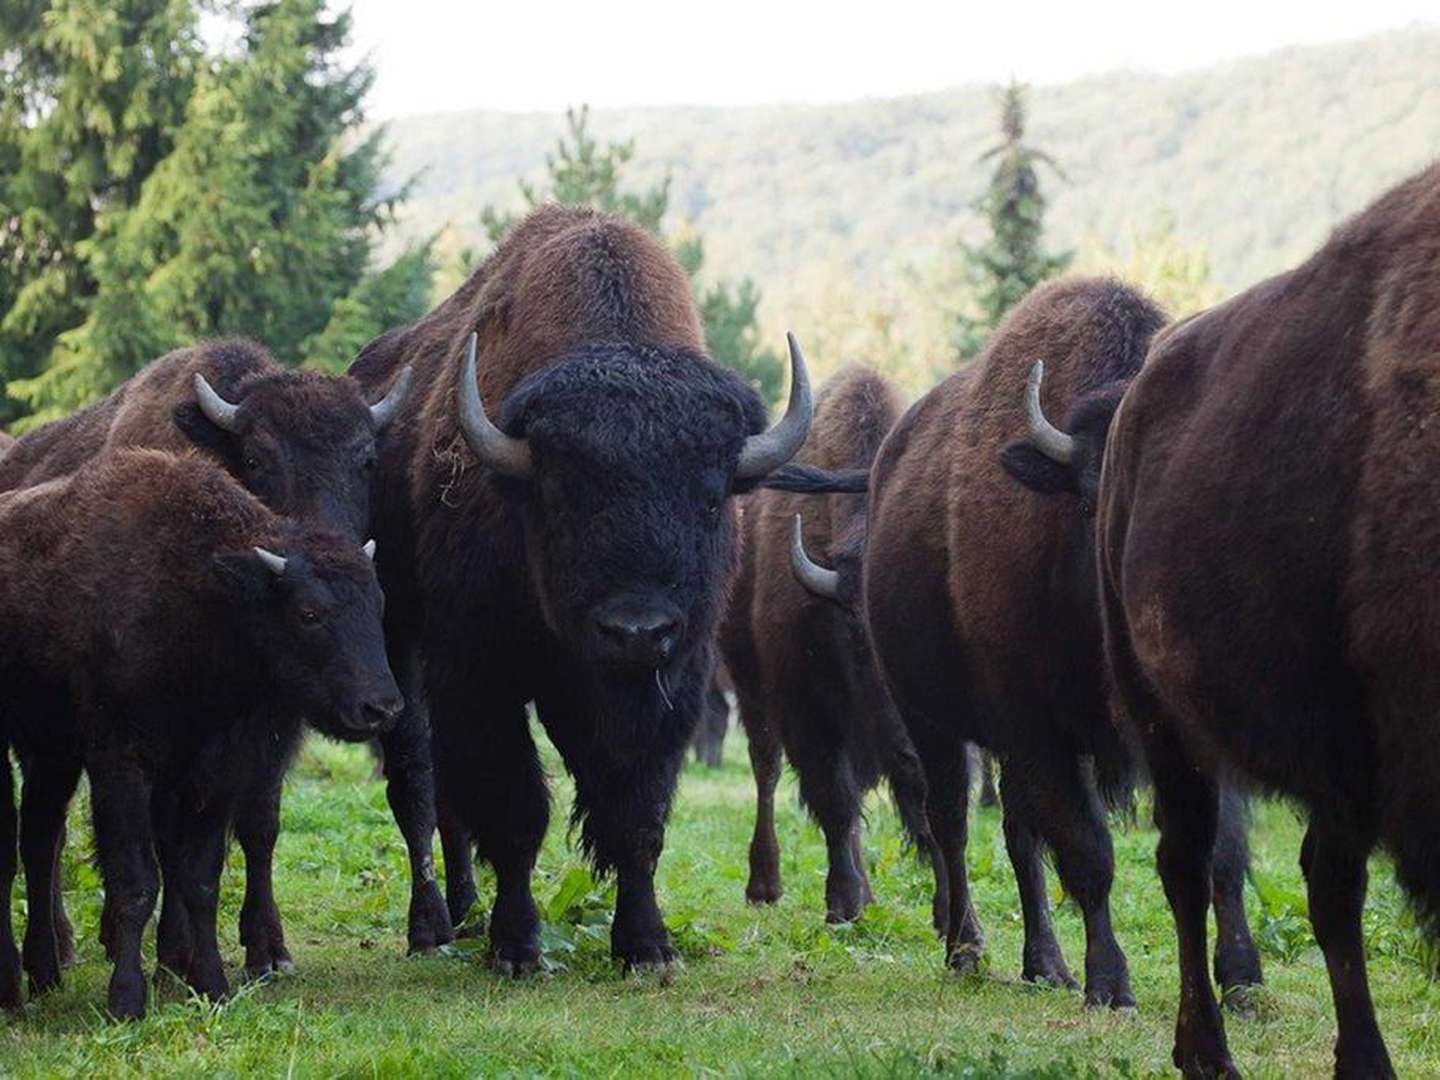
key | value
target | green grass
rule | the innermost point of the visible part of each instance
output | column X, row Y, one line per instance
column 769, row 991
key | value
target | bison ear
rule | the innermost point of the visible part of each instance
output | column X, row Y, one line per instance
column 196, row 427
column 1036, row 471
column 244, row 574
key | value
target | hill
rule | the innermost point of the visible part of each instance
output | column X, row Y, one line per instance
column 846, row 214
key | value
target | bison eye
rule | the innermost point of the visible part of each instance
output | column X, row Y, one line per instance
column 252, row 463
column 309, row 616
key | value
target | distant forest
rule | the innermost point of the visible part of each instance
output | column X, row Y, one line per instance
column 848, row 217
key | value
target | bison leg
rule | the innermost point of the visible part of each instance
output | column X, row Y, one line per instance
column 9, row 954
column 410, row 790
column 492, row 785
column 1237, row 961
column 1042, row 960
column 120, row 799
column 457, row 847
column 49, row 784
column 174, row 941
column 257, row 828
column 199, row 846
column 1062, row 804
column 1335, row 874
column 710, row 737
column 828, row 788
column 947, row 777
column 764, row 886
column 64, row 930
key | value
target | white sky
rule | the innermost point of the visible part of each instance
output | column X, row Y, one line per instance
column 443, row 55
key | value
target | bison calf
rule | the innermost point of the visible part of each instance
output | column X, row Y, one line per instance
column 165, row 631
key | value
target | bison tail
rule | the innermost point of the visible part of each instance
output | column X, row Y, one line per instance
column 910, row 793
column 1115, row 777
column 812, row 480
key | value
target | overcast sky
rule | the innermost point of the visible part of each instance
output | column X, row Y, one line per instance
column 441, row 55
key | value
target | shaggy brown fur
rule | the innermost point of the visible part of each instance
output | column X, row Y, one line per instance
column 143, row 638
column 589, row 346
column 802, row 668
column 981, row 608
column 1267, row 531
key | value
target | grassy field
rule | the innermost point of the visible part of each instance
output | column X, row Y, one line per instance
column 770, row 991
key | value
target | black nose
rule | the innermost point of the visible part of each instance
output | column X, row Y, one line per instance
column 380, row 714
column 642, row 636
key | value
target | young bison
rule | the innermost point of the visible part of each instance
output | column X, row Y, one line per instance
column 802, row 668
column 162, row 629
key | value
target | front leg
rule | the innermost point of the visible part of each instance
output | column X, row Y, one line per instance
column 257, row 828
column 49, row 784
column 410, row 790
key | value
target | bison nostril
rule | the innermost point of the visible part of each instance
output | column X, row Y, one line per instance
column 646, row 637
column 382, row 713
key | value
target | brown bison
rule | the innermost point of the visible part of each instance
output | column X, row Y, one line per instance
column 568, row 548
column 982, row 611
column 1267, row 527
column 802, row 668
column 306, row 444
column 162, row 629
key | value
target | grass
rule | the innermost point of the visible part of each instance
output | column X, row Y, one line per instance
column 765, row 991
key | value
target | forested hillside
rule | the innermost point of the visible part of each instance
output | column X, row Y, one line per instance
column 847, row 215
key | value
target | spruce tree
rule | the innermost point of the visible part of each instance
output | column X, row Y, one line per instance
column 1012, row 261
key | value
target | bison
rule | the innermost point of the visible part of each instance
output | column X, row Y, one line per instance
column 305, row 443
column 802, row 669
column 984, row 618
column 162, row 629
column 1266, row 530
column 570, row 549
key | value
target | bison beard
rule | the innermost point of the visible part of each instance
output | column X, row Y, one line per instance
column 1267, row 530
column 572, row 553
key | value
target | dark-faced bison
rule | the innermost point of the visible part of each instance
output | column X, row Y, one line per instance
column 162, row 629
column 570, row 548
column 1267, row 529
column 306, row 444
column 802, row 668
column 981, row 606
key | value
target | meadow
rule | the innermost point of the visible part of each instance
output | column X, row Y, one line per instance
column 764, row 991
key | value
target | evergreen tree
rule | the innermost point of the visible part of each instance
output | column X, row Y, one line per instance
column 1012, row 261
column 396, row 295
column 583, row 173
column 262, row 215
column 91, row 92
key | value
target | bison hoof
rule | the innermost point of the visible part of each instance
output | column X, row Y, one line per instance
column 654, row 956
column 10, row 980
column 1243, row 1000
column 967, row 959
column 763, row 892
column 1048, row 969
column 126, row 998
column 430, row 925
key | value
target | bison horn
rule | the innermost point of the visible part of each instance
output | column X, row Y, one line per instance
column 506, row 455
column 384, row 410
column 816, row 579
column 369, row 549
column 274, row 563
column 1046, row 437
column 217, row 410
column 766, row 452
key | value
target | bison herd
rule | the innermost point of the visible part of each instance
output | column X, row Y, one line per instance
column 1198, row 556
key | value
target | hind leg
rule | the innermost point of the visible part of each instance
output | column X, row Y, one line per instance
column 1042, row 960
column 827, row 785
column 458, row 849
column 1333, row 860
column 1237, row 961
column 49, row 784
column 947, row 779
column 764, row 886
column 9, row 852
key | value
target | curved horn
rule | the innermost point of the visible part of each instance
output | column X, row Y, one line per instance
column 217, row 410
column 274, row 563
column 384, row 410
column 764, row 453
column 506, row 455
column 1047, row 438
column 369, row 549
column 816, row 579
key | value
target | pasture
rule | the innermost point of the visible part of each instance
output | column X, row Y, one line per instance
column 765, row 991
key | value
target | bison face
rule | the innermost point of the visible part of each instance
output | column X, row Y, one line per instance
column 315, row 617
column 631, row 455
column 303, row 443
column 1052, row 461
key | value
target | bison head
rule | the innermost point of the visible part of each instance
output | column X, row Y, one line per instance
column 622, row 459
column 1053, row 461
column 314, row 616
column 304, row 443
